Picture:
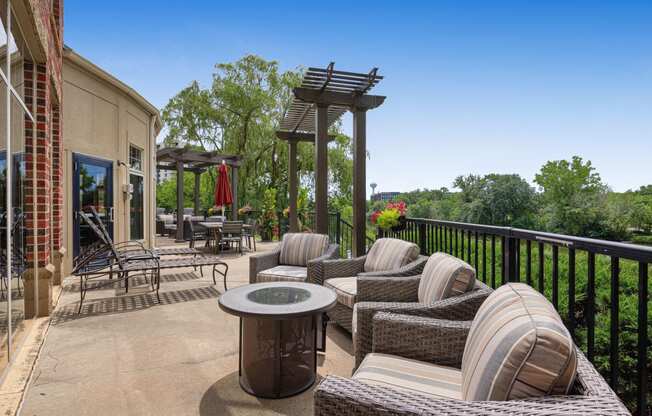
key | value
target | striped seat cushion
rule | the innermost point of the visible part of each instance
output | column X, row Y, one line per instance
column 299, row 248
column 346, row 289
column 283, row 274
column 445, row 276
column 390, row 254
column 405, row 374
column 518, row 347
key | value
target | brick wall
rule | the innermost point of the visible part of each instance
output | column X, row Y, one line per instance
column 43, row 141
column 39, row 164
column 57, row 179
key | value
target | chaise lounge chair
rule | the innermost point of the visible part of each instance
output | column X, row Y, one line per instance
column 105, row 258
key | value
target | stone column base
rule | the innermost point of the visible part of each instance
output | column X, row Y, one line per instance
column 57, row 259
column 42, row 299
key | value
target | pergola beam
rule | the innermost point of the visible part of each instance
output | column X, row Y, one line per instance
column 324, row 96
column 300, row 136
column 293, row 185
column 366, row 102
column 180, row 201
column 359, row 235
column 321, row 169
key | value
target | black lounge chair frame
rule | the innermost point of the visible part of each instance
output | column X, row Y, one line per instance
column 106, row 258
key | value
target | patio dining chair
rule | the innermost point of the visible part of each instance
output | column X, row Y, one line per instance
column 231, row 234
column 194, row 231
column 249, row 233
column 515, row 358
column 446, row 289
column 387, row 257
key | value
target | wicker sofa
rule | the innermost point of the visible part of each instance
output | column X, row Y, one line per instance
column 299, row 258
column 447, row 289
column 387, row 257
column 515, row 358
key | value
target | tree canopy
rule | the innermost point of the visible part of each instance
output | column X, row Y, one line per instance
column 239, row 114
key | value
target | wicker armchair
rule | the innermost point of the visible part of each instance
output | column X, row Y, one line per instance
column 442, row 342
column 282, row 263
column 347, row 274
column 399, row 295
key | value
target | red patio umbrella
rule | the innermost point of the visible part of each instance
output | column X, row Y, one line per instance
column 223, row 189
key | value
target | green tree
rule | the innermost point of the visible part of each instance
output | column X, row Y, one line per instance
column 574, row 198
column 497, row 200
column 239, row 115
column 640, row 215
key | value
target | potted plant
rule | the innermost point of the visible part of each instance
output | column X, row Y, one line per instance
column 392, row 218
column 401, row 207
column 268, row 218
column 245, row 210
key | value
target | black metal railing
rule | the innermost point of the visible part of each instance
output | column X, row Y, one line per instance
column 594, row 284
column 340, row 231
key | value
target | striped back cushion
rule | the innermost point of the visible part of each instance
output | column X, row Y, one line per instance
column 299, row 248
column 517, row 347
column 445, row 276
column 390, row 254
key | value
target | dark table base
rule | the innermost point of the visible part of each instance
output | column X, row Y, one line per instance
column 278, row 357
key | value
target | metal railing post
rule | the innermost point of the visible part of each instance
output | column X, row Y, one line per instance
column 338, row 228
column 422, row 238
column 510, row 258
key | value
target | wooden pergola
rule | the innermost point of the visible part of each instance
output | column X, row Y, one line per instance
column 186, row 160
column 324, row 96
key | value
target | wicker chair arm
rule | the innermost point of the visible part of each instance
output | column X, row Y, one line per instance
column 410, row 269
column 263, row 261
column 338, row 396
column 388, row 288
column 316, row 265
column 431, row 340
column 343, row 267
column 458, row 308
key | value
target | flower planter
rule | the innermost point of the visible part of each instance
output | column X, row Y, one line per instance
column 402, row 222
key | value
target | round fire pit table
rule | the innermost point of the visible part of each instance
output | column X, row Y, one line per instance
column 279, row 322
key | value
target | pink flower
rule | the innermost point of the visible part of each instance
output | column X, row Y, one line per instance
column 400, row 206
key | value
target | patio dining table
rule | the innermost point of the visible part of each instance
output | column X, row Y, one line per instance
column 215, row 228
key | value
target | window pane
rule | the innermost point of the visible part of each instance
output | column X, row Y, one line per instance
column 136, row 214
column 12, row 152
column 135, row 158
column 4, row 304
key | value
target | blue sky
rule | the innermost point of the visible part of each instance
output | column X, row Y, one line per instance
column 472, row 87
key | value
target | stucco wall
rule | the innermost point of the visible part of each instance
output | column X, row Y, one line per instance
column 100, row 120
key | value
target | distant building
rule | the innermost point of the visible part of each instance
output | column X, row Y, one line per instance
column 384, row 196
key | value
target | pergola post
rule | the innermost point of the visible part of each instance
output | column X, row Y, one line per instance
column 196, row 191
column 321, row 169
column 293, row 187
column 234, row 192
column 359, row 182
column 180, row 201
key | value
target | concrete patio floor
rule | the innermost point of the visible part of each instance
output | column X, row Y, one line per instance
column 127, row 355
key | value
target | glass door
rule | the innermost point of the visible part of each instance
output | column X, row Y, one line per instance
column 92, row 187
